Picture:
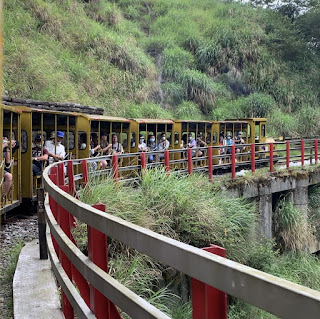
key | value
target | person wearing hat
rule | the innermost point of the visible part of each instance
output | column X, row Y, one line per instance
column 38, row 156
column 56, row 150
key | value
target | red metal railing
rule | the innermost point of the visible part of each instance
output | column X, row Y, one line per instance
column 207, row 301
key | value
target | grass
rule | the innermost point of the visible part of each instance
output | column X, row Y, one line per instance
column 194, row 211
column 7, row 274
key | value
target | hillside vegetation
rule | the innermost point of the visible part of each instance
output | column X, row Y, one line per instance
column 166, row 58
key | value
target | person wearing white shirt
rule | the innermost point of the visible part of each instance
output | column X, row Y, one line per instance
column 142, row 146
column 163, row 145
column 56, row 152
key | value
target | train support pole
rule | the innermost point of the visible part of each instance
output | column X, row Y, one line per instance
column 302, row 152
column 233, row 161
column 316, row 151
column 253, row 158
column 167, row 161
column 288, row 154
column 190, row 164
column 271, row 157
column 115, row 167
column 210, row 164
column 208, row 302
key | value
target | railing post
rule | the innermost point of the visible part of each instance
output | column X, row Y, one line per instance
column 208, row 302
column 233, row 161
column 167, row 161
column 271, row 156
column 98, row 254
column 115, row 167
column 65, row 262
column 61, row 174
column 70, row 173
column 316, row 151
column 253, row 158
column 42, row 224
column 85, row 176
column 302, row 152
column 288, row 154
column 190, row 164
column 143, row 161
column 210, row 166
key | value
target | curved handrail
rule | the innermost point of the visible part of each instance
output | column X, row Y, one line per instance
column 287, row 300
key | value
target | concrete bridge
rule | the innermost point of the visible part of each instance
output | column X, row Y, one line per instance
column 267, row 190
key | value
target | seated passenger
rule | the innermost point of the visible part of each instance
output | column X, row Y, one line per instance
column 200, row 143
column 117, row 148
column 228, row 142
column 56, row 150
column 7, row 176
column 163, row 145
column 38, row 159
column 239, row 140
column 142, row 147
column 94, row 146
column 184, row 142
column 82, row 141
column 192, row 144
column 152, row 146
column 105, row 148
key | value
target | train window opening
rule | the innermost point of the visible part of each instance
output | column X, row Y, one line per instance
column 62, row 120
column 133, row 140
column 94, row 126
column 72, row 120
column 24, row 141
column 48, row 119
column 214, row 140
column 249, row 130
column 168, row 136
column 125, row 126
column 263, row 130
column 82, row 140
column 124, row 139
column 257, row 130
column 176, row 138
column 116, row 126
column 208, row 138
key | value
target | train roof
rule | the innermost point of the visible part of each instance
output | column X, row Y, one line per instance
column 255, row 119
column 52, row 106
column 153, row 121
column 10, row 108
column 193, row 121
column 94, row 117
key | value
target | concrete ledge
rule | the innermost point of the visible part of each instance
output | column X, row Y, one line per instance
column 34, row 287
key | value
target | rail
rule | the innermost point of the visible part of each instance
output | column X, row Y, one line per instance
column 90, row 292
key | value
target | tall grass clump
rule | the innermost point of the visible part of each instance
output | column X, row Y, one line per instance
column 314, row 209
column 291, row 227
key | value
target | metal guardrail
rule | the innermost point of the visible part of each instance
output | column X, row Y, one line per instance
column 275, row 295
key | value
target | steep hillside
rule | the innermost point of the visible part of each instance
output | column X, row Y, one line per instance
column 164, row 58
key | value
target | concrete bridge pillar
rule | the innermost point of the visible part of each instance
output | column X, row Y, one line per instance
column 300, row 195
column 265, row 211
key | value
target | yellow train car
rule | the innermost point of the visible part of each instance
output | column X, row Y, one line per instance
column 10, row 165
